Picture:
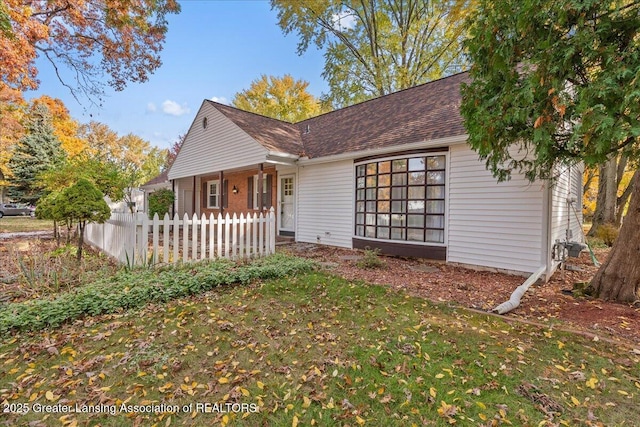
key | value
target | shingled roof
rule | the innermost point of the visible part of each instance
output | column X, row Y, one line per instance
column 273, row 134
column 422, row 113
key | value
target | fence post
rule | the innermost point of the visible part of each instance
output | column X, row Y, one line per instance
column 142, row 236
column 272, row 231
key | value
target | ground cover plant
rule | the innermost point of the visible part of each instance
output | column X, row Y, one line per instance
column 311, row 349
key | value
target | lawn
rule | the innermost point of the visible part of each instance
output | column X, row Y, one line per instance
column 13, row 224
column 310, row 349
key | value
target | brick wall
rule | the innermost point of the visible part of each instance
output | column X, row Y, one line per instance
column 237, row 203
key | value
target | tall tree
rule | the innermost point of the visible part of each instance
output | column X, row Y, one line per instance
column 375, row 47
column 37, row 151
column 559, row 80
column 281, row 98
column 64, row 127
column 82, row 40
column 11, row 130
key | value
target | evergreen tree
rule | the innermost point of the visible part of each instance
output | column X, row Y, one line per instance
column 36, row 152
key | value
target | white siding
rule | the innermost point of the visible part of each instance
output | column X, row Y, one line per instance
column 221, row 146
column 492, row 224
column 567, row 186
column 325, row 203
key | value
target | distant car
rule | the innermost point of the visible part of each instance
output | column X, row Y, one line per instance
column 14, row 209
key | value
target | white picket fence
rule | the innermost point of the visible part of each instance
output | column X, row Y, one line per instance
column 137, row 240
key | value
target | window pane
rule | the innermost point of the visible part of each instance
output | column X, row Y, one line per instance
column 359, row 218
column 416, row 164
column 371, row 168
column 371, row 219
column 371, row 193
column 399, row 179
column 371, row 181
column 435, row 221
column 371, row 206
column 383, row 233
column 360, row 207
column 435, row 177
column 435, row 206
column 436, row 192
column 399, row 193
column 360, row 195
column 397, row 233
column 399, row 165
column 415, row 235
column 384, row 193
column 360, row 170
column 415, row 206
column 384, row 180
column 384, row 167
column 360, row 182
column 383, row 219
column 416, row 192
column 416, row 221
column 360, row 231
column 398, row 220
column 370, row 232
column 383, row 206
column 435, row 162
column 416, row 178
column 436, row 236
column 398, row 207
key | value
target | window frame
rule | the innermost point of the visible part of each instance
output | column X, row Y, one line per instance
column 256, row 195
column 396, row 189
column 210, row 183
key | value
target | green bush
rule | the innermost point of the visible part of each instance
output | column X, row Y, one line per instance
column 160, row 202
column 133, row 288
column 371, row 259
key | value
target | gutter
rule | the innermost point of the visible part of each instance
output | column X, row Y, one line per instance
column 514, row 300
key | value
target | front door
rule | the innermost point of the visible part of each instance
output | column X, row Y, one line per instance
column 287, row 203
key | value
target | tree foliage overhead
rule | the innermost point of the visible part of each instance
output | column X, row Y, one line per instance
column 64, row 127
column 122, row 39
column 375, row 47
column 559, row 79
column 281, row 98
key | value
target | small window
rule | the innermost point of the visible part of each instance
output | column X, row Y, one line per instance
column 205, row 122
column 213, row 194
column 256, row 193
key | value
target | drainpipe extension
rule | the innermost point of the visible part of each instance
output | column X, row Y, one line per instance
column 514, row 300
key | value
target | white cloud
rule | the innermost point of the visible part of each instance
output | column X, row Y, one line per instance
column 220, row 99
column 174, row 109
column 343, row 21
column 151, row 107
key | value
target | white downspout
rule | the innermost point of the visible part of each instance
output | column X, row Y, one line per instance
column 514, row 300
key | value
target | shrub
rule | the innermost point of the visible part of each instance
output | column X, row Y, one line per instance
column 608, row 233
column 160, row 201
column 134, row 288
column 371, row 259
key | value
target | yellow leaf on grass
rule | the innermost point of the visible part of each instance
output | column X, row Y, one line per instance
column 591, row 383
column 244, row 392
column 439, row 376
column 560, row 344
column 294, row 422
column 562, row 368
column 622, row 392
column 33, row 397
column 360, row 420
column 432, row 392
column 260, row 385
column 575, row 401
column 481, row 405
column 223, row 380
column 306, row 402
column 50, row 396
column 482, row 416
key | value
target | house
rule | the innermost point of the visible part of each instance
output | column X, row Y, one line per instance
column 394, row 173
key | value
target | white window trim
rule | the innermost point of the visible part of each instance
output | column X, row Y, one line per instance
column 215, row 182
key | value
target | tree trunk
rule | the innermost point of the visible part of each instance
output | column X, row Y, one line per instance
column 618, row 279
column 607, row 196
column 80, row 239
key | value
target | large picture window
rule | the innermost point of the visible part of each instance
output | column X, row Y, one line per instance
column 401, row 199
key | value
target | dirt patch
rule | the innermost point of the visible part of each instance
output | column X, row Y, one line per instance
column 551, row 302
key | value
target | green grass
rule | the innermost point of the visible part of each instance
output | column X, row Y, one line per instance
column 314, row 349
column 13, row 224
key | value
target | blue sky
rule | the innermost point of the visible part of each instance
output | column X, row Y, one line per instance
column 213, row 50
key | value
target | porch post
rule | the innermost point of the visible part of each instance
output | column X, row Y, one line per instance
column 260, row 187
column 193, row 196
column 221, row 186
